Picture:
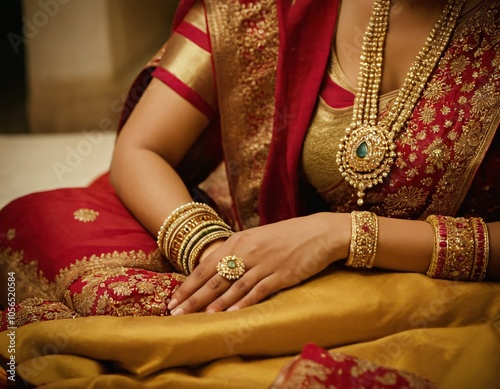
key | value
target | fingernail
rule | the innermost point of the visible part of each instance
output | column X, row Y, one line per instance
column 231, row 309
column 176, row 312
column 210, row 311
column 172, row 304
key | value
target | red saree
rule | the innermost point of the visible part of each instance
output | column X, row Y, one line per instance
column 79, row 252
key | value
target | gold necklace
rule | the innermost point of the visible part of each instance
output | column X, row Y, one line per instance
column 367, row 151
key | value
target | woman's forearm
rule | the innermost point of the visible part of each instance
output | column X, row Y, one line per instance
column 407, row 245
column 155, row 138
column 148, row 186
column 404, row 245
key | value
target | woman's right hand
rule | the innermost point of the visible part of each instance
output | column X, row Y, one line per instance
column 276, row 256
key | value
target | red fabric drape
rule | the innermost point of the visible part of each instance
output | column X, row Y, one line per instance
column 305, row 40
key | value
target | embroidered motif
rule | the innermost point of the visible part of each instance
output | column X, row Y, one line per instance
column 32, row 282
column 115, row 260
column 407, row 197
column 37, row 309
column 85, row 215
column 11, row 234
column 124, row 292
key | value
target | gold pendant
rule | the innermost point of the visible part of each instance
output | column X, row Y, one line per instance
column 365, row 157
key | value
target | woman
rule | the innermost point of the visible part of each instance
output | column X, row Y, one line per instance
column 307, row 120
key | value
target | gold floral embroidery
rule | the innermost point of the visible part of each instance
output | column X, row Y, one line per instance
column 388, row 378
column 35, row 309
column 115, row 260
column 407, row 197
column 85, row 215
column 30, row 281
column 458, row 65
column 438, row 153
column 436, row 91
column 11, row 233
column 136, row 295
column 428, row 114
column 245, row 41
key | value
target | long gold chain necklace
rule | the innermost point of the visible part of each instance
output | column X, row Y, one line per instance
column 367, row 151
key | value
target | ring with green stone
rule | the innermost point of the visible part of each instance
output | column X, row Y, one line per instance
column 231, row 267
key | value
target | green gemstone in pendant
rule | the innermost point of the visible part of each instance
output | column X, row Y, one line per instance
column 231, row 264
column 362, row 150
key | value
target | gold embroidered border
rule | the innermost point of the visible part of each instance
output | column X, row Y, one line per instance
column 245, row 41
column 138, row 259
column 480, row 129
column 31, row 282
column 192, row 65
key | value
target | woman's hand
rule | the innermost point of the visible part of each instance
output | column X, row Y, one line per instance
column 276, row 256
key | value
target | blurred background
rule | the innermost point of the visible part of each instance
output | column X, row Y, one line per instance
column 66, row 64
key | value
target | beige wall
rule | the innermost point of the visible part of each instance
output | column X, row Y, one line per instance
column 83, row 54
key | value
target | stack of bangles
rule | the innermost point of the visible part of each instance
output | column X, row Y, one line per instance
column 187, row 232
column 461, row 246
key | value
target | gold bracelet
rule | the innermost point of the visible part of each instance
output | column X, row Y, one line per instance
column 176, row 235
column 481, row 249
column 440, row 250
column 364, row 238
column 203, row 243
column 175, row 213
column 453, row 255
column 183, row 254
column 180, row 220
column 180, row 224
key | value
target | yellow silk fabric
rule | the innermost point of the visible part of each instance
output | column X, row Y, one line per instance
column 448, row 332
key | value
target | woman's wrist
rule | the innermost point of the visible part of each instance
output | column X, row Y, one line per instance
column 337, row 230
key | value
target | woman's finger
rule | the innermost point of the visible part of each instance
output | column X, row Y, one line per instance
column 237, row 291
column 263, row 289
column 199, row 277
column 203, row 296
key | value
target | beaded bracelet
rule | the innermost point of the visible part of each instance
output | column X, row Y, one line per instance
column 364, row 237
column 461, row 248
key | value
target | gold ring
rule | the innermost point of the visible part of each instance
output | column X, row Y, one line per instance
column 231, row 267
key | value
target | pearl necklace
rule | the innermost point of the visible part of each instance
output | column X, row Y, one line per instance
column 367, row 151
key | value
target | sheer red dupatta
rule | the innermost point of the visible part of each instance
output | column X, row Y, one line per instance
column 304, row 54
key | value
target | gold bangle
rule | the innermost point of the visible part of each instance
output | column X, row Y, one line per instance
column 203, row 243
column 364, row 237
column 440, row 249
column 453, row 255
column 173, row 215
column 183, row 254
column 176, row 235
column 177, row 224
column 481, row 249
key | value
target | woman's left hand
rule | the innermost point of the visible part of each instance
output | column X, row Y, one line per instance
column 276, row 256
